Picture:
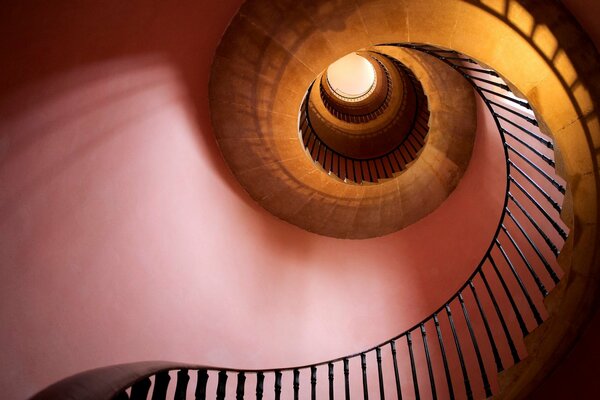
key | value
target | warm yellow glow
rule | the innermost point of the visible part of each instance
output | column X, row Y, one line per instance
column 351, row 76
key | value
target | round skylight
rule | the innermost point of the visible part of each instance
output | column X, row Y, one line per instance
column 351, row 76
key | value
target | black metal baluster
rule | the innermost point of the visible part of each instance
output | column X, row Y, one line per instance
column 222, row 385
column 540, row 139
column 497, row 84
column 537, row 205
column 161, row 383
column 330, row 367
column 296, row 384
column 461, row 359
column 480, row 70
column 540, row 171
column 412, row 365
column 497, row 359
column 511, row 344
column 346, row 379
column 534, row 310
column 241, row 384
column 520, row 102
column 200, row 392
column 182, row 382
column 548, row 198
column 484, row 377
column 363, row 364
column 260, row 380
column 549, row 242
column 396, row 372
column 510, row 298
column 380, row 374
column 534, row 247
column 444, row 357
column 428, row 358
column 121, row 396
column 313, row 382
column 139, row 390
column 535, row 151
column 277, row 385
column 534, row 275
column 532, row 121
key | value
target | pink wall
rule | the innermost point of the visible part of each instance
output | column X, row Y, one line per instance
column 123, row 237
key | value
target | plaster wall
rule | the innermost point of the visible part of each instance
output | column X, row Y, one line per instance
column 123, row 237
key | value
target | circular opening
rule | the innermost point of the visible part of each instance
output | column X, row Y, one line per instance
column 351, row 76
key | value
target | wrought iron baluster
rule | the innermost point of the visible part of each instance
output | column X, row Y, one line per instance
column 534, row 247
column 540, row 139
column 161, row 383
column 260, row 381
column 511, row 344
column 241, row 383
column 554, row 224
column 363, row 364
column 484, row 377
column 396, row 372
column 532, row 121
column 346, row 379
column 428, row 358
column 548, row 241
column 540, row 171
column 548, row 198
column 380, row 374
column 313, row 382
column 534, row 310
column 277, row 385
column 497, row 359
column 516, row 311
column 182, row 383
column 200, row 392
column 330, row 371
column 222, row 385
column 140, row 389
column 412, row 365
column 444, row 357
column 296, row 384
column 461, row 358
column 534, row 275
column 535, row 151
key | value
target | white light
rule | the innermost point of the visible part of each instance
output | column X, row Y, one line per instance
column 351, row 76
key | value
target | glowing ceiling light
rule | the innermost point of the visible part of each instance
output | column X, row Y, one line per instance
column 351, row 76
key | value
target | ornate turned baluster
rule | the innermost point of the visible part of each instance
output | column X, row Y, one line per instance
column 428, row 358
column 396, row 372
column 241, row 383
column 460, row 354
column 182, row 383
column 201, row 384
column 444, row 357
column 412, row 365
column 139, row 390
column 161, row 383
column 277, row 385
column 260, row 380
column 346, row 379
column 222, row 385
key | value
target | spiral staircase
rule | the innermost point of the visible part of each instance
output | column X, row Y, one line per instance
column 359, row 166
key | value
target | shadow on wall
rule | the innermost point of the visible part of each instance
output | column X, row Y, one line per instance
column 580, row 56
column 43, row 41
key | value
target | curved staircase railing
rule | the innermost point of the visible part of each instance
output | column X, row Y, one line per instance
column 374, row 169
column 455, row 350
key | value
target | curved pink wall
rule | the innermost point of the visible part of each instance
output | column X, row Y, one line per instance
column 123, row 237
